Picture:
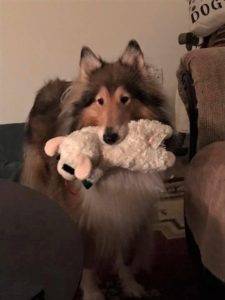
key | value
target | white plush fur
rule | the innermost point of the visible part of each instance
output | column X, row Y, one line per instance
column 141, row 150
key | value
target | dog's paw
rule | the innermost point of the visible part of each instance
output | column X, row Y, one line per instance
column 134, row 290
column 96, row 295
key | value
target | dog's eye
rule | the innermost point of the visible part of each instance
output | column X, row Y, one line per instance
column 100, row 101
column 124, row 99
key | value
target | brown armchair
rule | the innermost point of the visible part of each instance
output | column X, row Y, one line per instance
column 201, row 81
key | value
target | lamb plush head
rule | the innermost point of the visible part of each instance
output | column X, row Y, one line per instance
column 77, row 152
column 85, row 157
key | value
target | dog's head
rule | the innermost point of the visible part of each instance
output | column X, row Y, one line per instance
column 109, row 95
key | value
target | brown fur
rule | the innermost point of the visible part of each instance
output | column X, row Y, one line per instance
column 61, row 107
column 113, row 113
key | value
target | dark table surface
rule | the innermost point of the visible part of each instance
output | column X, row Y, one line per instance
column 40, row 247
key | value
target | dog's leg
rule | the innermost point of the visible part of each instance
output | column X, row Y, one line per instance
column 89, row 285
column 144, row 250
column 144, row 244
column 129, row 285
column 33, row 173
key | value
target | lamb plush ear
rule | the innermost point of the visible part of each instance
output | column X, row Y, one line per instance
column 133, row 56
column 84, row 167
column 52, row 146
column 89, row 62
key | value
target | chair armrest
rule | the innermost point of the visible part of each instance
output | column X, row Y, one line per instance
column 188, row 95
column 201, row 78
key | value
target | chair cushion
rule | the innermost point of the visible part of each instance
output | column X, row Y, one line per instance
column 205, row 205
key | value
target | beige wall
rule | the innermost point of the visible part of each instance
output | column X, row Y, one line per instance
column 41, row 39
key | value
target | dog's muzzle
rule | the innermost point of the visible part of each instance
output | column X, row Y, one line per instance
column 110, row 137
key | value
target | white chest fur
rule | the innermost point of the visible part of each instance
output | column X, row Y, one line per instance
column 116, row 207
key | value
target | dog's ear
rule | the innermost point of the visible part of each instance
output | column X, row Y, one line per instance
column 133, row 55
column 52, row 146
column 89, row 62
column 83, row 168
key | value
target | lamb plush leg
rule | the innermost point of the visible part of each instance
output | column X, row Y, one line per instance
column 129, row 285
column 89, row 285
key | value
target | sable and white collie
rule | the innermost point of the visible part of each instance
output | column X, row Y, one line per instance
column 116, row 214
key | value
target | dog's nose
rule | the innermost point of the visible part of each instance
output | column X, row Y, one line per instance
column 110, row 137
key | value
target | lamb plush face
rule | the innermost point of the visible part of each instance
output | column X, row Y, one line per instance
column 78, row 152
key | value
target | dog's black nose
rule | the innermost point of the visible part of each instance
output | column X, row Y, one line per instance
column 109, row 136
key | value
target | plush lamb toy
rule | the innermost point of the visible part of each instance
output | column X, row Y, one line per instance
column 84, row 156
